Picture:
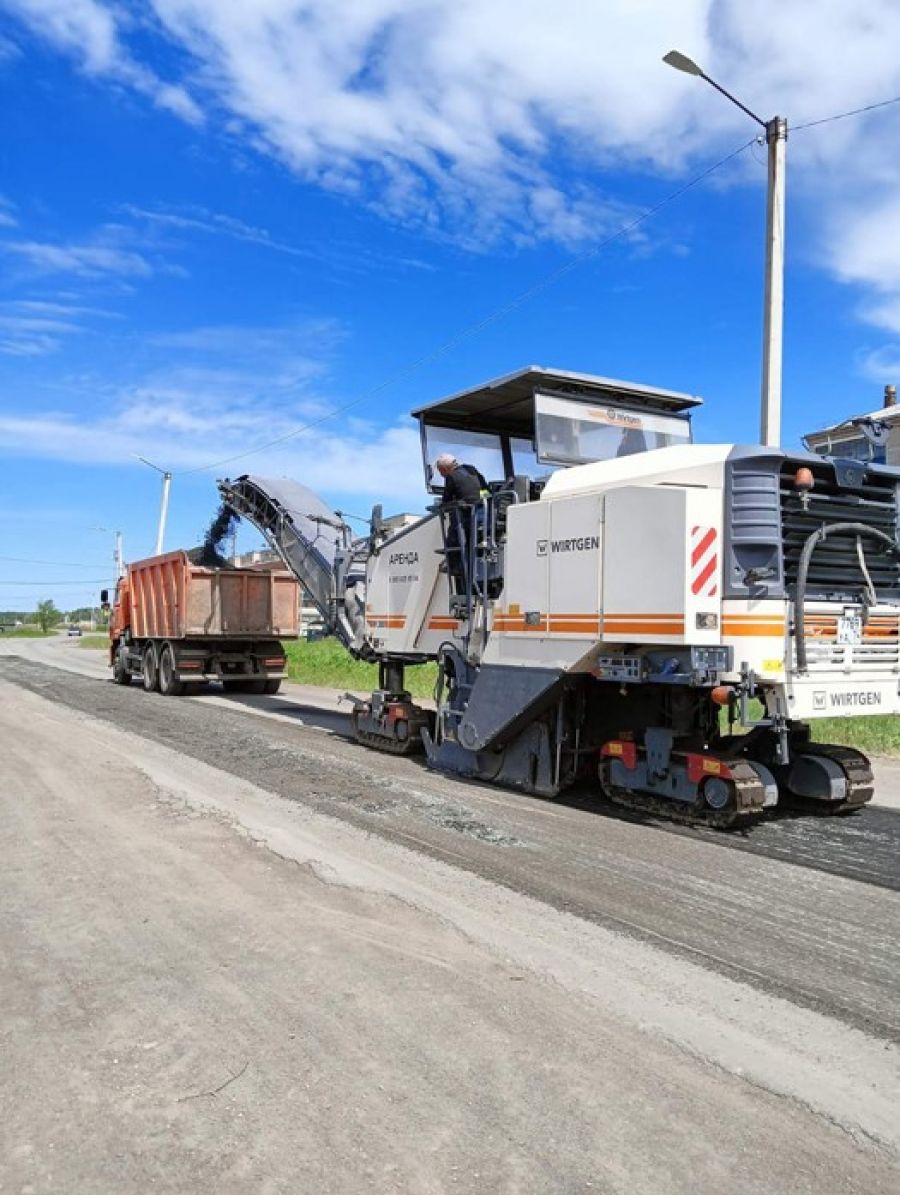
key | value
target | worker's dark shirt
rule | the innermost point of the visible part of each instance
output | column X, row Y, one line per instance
column 464, row 484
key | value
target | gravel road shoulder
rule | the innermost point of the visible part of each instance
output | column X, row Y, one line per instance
column 206, row 987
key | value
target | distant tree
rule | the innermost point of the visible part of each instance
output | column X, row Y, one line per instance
column 47, row 615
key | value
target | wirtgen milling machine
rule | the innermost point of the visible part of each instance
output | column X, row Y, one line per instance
column 615, row 598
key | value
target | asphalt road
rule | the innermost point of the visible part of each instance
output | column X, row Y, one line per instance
column 625, row 1007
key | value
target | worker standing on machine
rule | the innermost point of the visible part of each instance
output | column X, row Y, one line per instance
column 462, row 484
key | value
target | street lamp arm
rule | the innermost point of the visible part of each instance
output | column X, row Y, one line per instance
column 773, row 306
column 734, row 100
column 144, row 461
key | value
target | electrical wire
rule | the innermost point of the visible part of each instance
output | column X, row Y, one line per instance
column 53, row 563
column 810, row 124
column 486, row 321
column 78, row 583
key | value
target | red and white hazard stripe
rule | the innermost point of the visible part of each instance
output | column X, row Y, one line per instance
column 704, row 561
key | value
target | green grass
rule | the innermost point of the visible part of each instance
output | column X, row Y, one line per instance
column 325, row 662
column 876, row 734
column 27, row 632
column 94, row 642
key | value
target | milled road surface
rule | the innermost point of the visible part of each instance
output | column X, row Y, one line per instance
column 460, row 988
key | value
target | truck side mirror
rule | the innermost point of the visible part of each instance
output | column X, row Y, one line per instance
column 104, row 599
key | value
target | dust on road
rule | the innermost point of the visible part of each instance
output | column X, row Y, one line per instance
column 184, row 1008
column 827, row 942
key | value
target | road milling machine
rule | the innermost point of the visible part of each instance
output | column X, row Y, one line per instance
column 660, row 618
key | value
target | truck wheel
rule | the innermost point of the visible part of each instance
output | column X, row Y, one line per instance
column 149, row 670
column 121, row 675
column 169, row 684
column 272, row 686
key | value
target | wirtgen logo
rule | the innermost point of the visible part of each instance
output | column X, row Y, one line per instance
column 578, row 543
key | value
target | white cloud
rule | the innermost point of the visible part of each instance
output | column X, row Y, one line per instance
column 512, row 119
column 7, row 219
column 372, row 463
column 87, row 261
column 92, row 32
column 196, row 411
column 37, row 327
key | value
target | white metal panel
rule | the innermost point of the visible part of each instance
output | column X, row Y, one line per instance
column 703, row 567
column 851, row 697
column 687, row 464
column 644, row 565
column 574, row 556
column 402, row 587
column 526, row 587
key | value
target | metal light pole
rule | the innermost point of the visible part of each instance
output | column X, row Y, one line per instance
column 773, row 301
column 164, row 503
column 118, row 553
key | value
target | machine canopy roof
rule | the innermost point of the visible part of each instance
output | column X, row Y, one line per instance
column 506, row 404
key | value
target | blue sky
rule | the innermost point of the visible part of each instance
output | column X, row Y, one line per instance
column 221, row 219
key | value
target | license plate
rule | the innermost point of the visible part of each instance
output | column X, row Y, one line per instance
column 850, row 629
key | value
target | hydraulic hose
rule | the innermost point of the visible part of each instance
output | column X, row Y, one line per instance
column 812, row 542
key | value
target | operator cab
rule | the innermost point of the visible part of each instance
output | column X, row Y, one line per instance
column 529, row 423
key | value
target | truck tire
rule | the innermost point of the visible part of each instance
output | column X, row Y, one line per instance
column 272, row 686
column 169, row 684
column 121, row 675
column 149, row 669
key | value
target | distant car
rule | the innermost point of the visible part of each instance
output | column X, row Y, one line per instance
column 74, row 632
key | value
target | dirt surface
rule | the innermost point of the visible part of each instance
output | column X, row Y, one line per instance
column 823, row 933
column 238, row 953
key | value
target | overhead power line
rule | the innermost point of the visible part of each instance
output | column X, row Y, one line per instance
column 52, row 563
column 479, row 326
column 810, row 124
column 78, row 583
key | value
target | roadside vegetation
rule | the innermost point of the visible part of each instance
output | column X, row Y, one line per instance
column 878, row 734
column 326, row 662
column 29, row 631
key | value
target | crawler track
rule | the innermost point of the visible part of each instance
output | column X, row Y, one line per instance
column 745, row 809
column 857, row 771
column 380, row 742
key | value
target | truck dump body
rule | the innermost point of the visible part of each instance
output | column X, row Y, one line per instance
column 177, row 624
column 173, row 598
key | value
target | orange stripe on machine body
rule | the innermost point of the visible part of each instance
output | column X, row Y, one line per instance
column 393, row 622
column 824, row 627
column 574, row 624
column 743, row 626
column 514, row 622
column 643, row 624
column 552, row 624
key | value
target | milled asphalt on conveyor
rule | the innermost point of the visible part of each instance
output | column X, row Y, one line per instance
column 823, row 933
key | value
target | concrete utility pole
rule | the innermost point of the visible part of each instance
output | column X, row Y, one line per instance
column 118, row 552
column 773, row 300
column 164, row 503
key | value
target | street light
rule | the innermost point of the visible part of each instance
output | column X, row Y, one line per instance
column 118, row 556
column 773, row 303
column 164, row 504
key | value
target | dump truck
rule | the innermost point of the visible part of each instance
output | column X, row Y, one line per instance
column 176, row 624
column 658, row 619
